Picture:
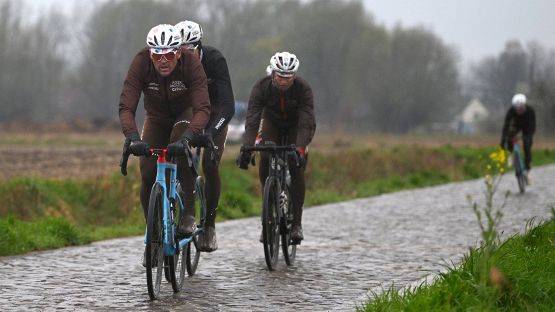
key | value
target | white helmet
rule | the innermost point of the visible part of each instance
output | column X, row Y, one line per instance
column 163, row 38
column 284, row 64
column 190, row 31
column 268, row 70
column 519, row 100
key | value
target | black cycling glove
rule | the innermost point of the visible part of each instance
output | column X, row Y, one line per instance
column 179, row 147
column 137, row 146
column 202, row 140
column 243, row 159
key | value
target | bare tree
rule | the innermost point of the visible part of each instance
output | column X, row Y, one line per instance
column 32, row 65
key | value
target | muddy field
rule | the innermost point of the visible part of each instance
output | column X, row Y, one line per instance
column 64, row 154
column 49, row 162
column 58, row 154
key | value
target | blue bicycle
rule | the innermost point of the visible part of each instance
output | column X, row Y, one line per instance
column 164, row 253
column 520, row 169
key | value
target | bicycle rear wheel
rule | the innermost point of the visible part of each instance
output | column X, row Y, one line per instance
column 176, row 264
column 289, row 250
column 154, row 251
column 519, row 172
column 270, row 223
column 193, row 254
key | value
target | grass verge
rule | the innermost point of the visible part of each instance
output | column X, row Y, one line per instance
column 108, row 207
column 521, row 278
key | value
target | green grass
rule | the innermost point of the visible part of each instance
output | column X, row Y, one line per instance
column 18, row 236
column 109, row 207
column 521, row 278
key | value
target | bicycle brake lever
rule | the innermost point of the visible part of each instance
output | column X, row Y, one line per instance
column 123, row 163
column 297, row 158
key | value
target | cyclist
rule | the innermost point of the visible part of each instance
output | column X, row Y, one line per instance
column 222, row 110
column 177, row 108
column 285, row 102
column 520, row 117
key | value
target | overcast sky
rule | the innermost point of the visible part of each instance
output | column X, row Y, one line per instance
column 476, row 28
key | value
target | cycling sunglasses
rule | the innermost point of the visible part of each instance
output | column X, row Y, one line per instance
column 169, row 56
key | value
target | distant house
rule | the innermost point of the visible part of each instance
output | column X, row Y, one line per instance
column 468, row 122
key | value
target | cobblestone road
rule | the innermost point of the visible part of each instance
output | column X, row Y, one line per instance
column 350, row 249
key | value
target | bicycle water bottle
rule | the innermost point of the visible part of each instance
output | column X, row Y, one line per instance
column 283, row 202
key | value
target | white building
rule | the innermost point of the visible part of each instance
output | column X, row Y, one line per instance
column 468, row 122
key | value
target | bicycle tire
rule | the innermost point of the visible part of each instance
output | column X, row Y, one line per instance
column 154, row 251
column 286, row 222
column 270, row 223
column 192, row 252
column 176, row 264
column 519, row 172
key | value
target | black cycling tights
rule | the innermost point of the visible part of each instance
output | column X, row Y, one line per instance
column 527, row 141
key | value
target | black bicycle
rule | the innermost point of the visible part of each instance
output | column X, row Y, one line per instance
column 277, row 214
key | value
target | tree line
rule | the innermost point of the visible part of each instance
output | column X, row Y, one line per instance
column 365, row 77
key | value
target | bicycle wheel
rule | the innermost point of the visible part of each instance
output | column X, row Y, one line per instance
column 270, row 223
column 154, row 251
column 193, row 254
column 176, row 264
column 289, row 250
column 519, row 172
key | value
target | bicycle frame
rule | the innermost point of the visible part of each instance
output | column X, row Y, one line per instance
column 518, row 155
column 163, row 167
column 278, row 160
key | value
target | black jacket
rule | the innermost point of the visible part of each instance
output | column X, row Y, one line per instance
column 526, row 122
column 219, row 88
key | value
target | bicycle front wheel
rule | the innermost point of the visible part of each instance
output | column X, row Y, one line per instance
column 193, row 254
column 270, row 223
column 519, row 172
column 289, row 250
column 176, row 264
column 154, row 251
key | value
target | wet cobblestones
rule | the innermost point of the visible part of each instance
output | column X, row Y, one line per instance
column 350, row 248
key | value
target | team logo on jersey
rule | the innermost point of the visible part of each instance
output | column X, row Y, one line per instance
column 153, row 86
column 177, row 86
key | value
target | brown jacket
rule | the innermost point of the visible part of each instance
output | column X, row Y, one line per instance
column 297, row 111
column 165, row 98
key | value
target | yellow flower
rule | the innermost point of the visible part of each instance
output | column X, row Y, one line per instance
column 502, row 156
